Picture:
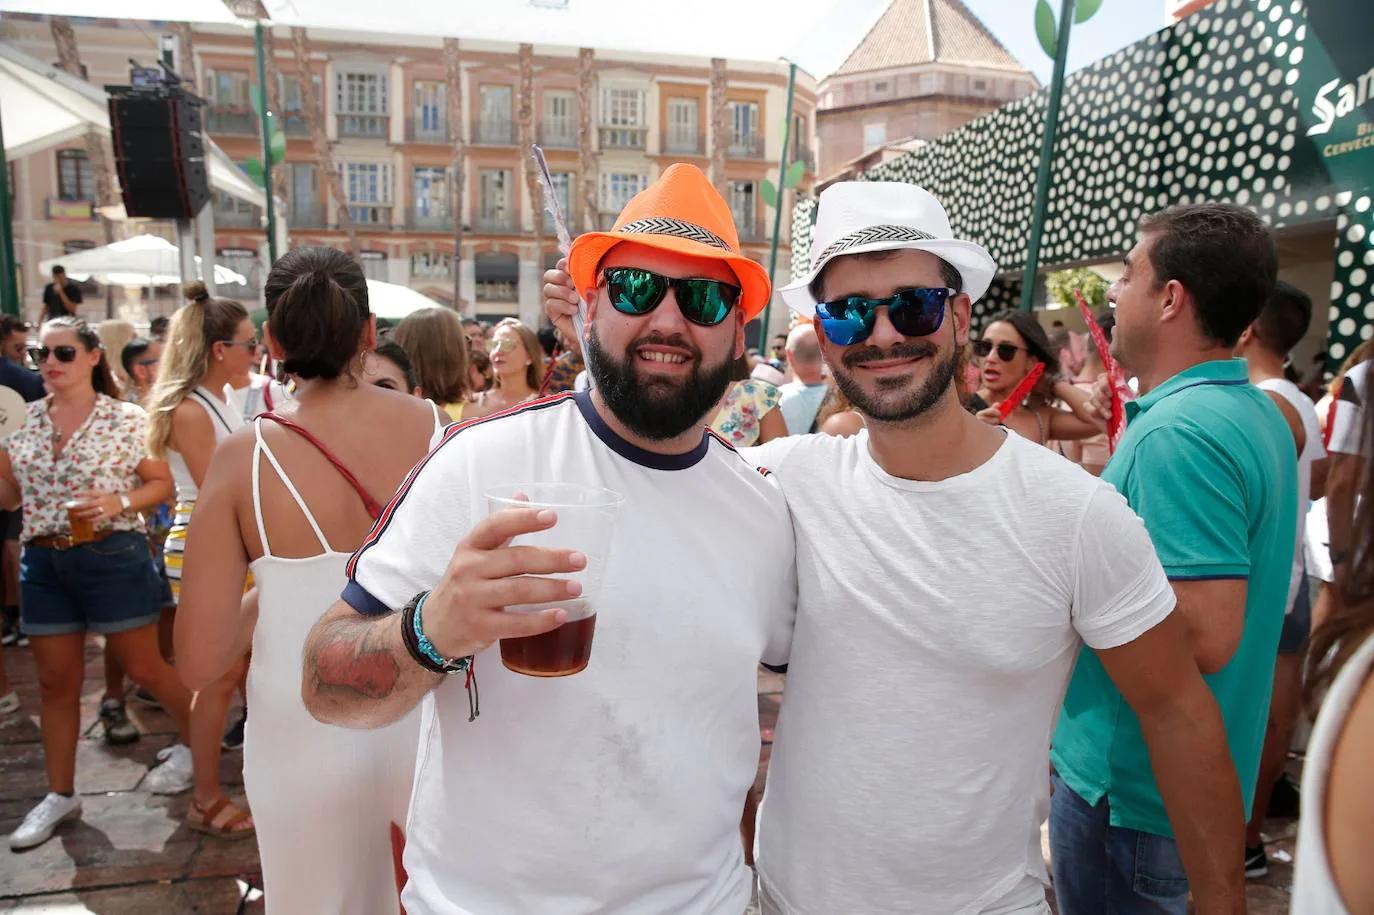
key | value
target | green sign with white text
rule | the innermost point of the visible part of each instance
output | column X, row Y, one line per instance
column 1335, row 89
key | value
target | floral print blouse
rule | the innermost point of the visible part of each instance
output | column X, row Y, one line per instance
column 745, row 404
column 101, row 455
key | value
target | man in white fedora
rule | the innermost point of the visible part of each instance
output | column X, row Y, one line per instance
column 949, row 573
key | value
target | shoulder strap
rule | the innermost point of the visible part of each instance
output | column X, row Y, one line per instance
column 374, row 508
column 210, row 408
column 261, row 448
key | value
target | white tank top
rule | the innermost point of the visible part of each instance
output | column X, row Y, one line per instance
column 1312, row 451
column 1314, row 888
column 225, row 420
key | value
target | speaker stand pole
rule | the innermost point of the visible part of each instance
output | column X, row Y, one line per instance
column 186, row 251
column 205, row 229
column 9, row 271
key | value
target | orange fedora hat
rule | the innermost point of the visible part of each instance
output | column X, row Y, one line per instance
column 680, row 212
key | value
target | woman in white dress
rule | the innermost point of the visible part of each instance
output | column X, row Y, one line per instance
column 292, row 497
column 1336, row 835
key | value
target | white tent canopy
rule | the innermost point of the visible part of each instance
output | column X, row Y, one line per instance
column 144, row 260
column 42, row 107
column 393, row 302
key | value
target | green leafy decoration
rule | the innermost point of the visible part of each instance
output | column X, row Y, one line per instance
column 1086, row 9
column 794, row 174
column 1060, row 284
column 769, row 192
column 253, row 168
column 1045, row 29
column 277, row 146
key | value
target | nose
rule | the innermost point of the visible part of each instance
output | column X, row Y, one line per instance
column 667, row 318
column 1113, row 291
column 884, row 334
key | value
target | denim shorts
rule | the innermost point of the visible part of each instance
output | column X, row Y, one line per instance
column 107, row 586
column 1297, row 625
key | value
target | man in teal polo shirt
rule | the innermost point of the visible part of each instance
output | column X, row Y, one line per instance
column 1208, row 463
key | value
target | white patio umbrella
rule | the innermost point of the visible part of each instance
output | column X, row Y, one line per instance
column 144, row 260
column 388, row 300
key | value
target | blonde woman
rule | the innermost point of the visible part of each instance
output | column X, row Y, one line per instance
column 211, row 344
column 438, row 350
column 518, row 364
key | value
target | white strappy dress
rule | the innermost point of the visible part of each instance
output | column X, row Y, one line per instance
column 324, row 798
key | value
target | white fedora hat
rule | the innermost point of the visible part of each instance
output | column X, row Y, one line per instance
column 858, row 216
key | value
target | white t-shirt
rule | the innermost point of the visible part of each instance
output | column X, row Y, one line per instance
column 1312, row 451
column 937, row 626
column 800, row 403
column 617, row 789
column 1347, row 412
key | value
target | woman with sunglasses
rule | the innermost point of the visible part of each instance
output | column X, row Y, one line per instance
column 211, row 346
column 438, row 350
column 80, row 467
column 1010, row 347
column 518, row 364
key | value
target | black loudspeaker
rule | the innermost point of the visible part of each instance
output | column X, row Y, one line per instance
column 159, row 151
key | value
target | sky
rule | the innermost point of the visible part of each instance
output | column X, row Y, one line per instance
column 831, row 36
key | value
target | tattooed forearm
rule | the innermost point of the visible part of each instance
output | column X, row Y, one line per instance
column 357, row 671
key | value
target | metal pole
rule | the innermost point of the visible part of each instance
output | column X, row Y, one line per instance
column 186, row 251
column 1042, row 181
column 205, row 237
column 9, row 273
column 265, row 125
column 777, row 210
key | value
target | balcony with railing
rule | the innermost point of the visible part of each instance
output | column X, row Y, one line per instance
column 804, row 153
column 493, row 132
column 624, row 137
column 429, row 217
column 62, row 210
column 558, row 133
column 427, row 130
column 569, row 215
column 308, row 215
column 365, row 126
column 682, row 143
column 750, row 228
column 294, row 124
column 497, row 290
column 370, row 214
column 497, row 223
column 746, row 146
column 233, row 120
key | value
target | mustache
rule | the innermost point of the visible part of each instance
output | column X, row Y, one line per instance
column 655, row 339
column 914, row 350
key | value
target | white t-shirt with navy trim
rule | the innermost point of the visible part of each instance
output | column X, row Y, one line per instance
column 937, row 626
column 617, row 789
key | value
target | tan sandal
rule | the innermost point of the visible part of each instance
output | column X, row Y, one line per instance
column 222, row 820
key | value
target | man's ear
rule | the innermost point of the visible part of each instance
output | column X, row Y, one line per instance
column 1176, row 299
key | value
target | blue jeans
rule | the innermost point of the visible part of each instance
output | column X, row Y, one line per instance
column 1101, row 869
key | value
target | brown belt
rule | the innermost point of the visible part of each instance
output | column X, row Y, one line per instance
column 65, row 542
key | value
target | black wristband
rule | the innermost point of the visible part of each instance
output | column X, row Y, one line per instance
column 408, row 636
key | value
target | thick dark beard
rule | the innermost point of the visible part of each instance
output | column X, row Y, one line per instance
column 659, row 410
column 914, row 404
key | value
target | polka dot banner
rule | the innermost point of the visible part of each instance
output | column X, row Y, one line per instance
column 1203, row 110
column 1352, row 289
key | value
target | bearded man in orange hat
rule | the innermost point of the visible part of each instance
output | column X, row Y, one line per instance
column 617, row 789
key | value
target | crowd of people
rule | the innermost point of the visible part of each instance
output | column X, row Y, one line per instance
column 992, row 610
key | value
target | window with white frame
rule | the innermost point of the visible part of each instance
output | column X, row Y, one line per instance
column 292, row 98
column 562, row 189
column 617, row 188
column 227, row 88
column 431, row 265
column 875, row 135
column 494, row 206
column 622, row 107
column 744, row 129
column 560, row 118
column 429, row 189
column 368, row 188
column 361, row 100
column 75, row 177
column 683, row 133
column 431, row 108
column 494, row 114
column 743, row 199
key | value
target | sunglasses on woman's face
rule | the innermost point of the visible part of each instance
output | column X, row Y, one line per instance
column 505, row 345
column 1005, row 351
column 250, row 345
column 913, row 313
column 635, row 291
column 63, row 353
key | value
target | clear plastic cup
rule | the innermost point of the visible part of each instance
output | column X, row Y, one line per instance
column 586, row 519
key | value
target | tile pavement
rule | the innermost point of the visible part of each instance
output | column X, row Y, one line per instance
column 131, row 852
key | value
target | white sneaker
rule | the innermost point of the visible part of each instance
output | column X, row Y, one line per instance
column 9, row 703
column 43, row 820
column 173, row 776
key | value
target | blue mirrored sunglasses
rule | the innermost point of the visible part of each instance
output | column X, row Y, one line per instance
column 913, row 313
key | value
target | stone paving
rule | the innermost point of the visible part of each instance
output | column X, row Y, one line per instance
column 131, row 853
